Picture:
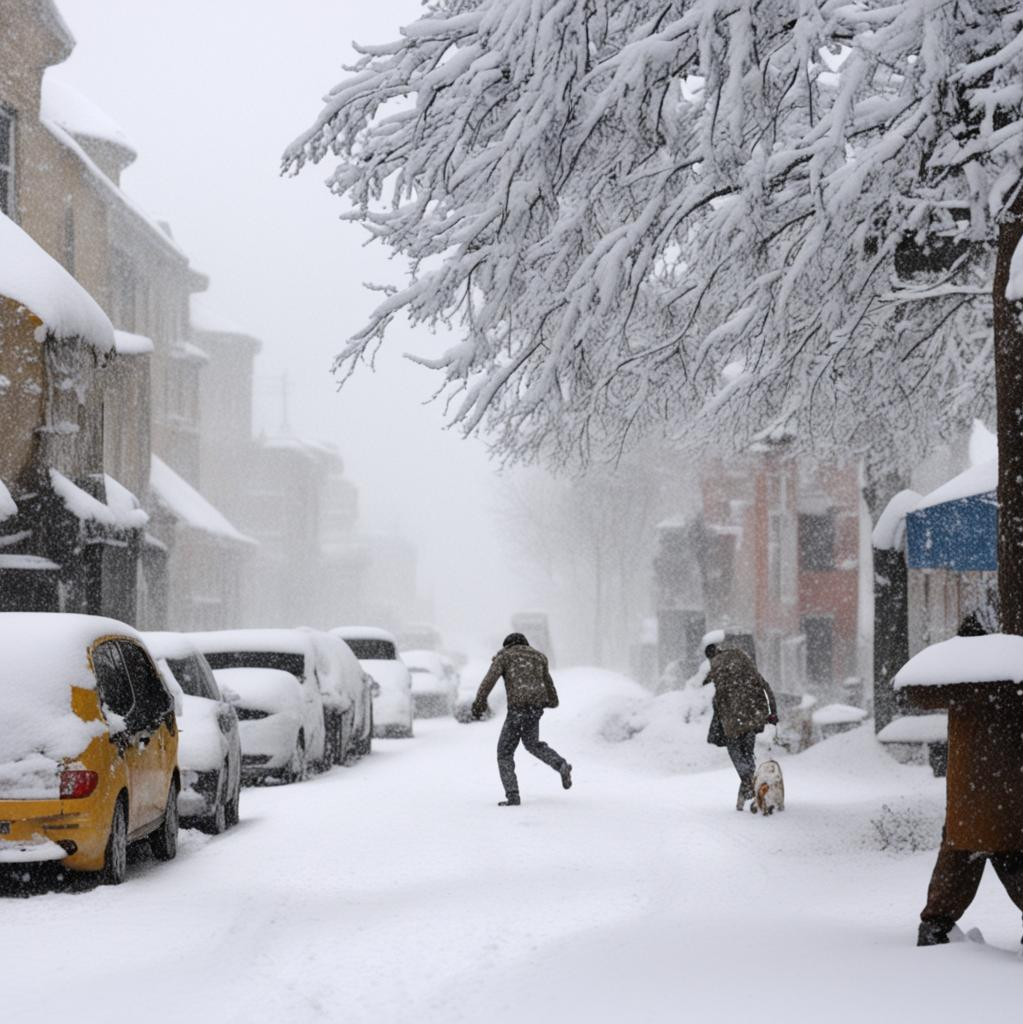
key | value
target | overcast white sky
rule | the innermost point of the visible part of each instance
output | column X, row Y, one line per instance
column 210, row 93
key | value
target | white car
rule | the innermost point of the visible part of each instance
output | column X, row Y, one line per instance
column 270, row 713
column 288, row 651
column 377, row 651
column 433, row 688
column 209, row 743
column 347, row 698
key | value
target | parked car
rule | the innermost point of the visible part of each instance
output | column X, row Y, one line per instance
column 209, row 746
column 468, row 686
column 280, row 707
column 347, row 698
column 88, row 745
column 377, row 651
column 433, row 688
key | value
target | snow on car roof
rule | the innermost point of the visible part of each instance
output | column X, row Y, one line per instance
column 30, row 276
column 225, row 641
column 266, row 689
column 44, row 655
column 173, row 646
column 364, row 633
column 428, row 660
column 995, row 658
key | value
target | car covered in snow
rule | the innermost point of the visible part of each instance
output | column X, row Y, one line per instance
column 469, row 680
column 88, row 745
column 209, row 745
column 347, row 698
column 279, row 706
column 377, row 651
column 433, row 686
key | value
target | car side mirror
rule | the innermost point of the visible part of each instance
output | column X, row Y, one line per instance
column 374, row 688
column 229, row 695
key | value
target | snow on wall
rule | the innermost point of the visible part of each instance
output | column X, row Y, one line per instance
column 916, row 729
column 30, row 276
column 995, row 658
column 181, row 498
column 122, row 513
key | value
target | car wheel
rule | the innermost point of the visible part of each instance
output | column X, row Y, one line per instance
column 115, row 860
column 233, row 814
column 297, row 767
column 164, row 841
column 217, row 822
column 367, row 743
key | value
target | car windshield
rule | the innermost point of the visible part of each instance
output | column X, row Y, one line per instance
column 293, row 663
column 194, row 677
column 373, row 650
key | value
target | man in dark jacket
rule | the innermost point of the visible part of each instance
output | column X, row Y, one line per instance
column 744, row 703
column 530, row 689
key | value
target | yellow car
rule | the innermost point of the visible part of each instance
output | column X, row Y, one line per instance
column 88, row 744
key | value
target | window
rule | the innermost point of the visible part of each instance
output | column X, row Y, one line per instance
column 194, row 677
column 372, row 650
column 817, row 542
column 111, row 680
column 152, row 702
column 7, row 161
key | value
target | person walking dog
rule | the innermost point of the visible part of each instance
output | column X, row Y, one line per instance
column 530, row 689
column 743, row 704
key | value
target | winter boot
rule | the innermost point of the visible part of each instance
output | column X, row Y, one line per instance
column 565, row 771
column 745, row 793
column 932, row 933
column 510, row 801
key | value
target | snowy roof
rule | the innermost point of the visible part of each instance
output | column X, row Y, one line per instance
column 31, row 277
column 981, row 479
column 838, row 714
column 916, row 729
column 994, row 658
column 8, row 507
column 181, row 498
column 63, row 104
column 122, row 511
column 128, row 344
column 890, row 531
column 205, row 318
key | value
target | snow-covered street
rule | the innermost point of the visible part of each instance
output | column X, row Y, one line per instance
column 396, row 890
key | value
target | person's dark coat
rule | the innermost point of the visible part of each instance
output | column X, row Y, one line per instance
column 985, row 763
column 743, row 700
column 527, row 679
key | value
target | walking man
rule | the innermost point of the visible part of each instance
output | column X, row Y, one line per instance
column 743, row 703
column 530, row 689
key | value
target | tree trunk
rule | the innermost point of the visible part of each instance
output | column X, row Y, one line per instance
column 1008, row 337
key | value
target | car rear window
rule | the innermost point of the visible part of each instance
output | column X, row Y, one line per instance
column 373, row 650
column 293, row 663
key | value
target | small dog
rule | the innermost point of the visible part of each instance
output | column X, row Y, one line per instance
column 768, row 789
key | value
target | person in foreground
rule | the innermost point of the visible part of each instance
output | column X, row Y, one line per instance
column 743, row 704
column 984, row 810
column 530, row 689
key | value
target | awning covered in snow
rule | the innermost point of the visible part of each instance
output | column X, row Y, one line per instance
column 121, row 512
column 32, row 278
column 128, row 344
column 189, row 506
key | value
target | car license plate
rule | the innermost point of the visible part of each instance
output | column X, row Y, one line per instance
column 5, row 828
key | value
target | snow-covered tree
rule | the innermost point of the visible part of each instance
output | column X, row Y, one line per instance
column 614, row 203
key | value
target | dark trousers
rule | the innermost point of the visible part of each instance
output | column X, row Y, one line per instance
column 522, row 724
column 956, row 879
column 741, row 751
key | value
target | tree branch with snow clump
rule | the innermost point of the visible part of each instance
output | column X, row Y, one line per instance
column 613, row 202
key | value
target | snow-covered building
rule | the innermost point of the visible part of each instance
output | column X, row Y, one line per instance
column 775, row 554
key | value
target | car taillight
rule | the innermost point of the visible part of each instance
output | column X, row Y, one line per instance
column 75, row 784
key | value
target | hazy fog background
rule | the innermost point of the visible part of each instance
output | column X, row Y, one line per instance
column 210, row 93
